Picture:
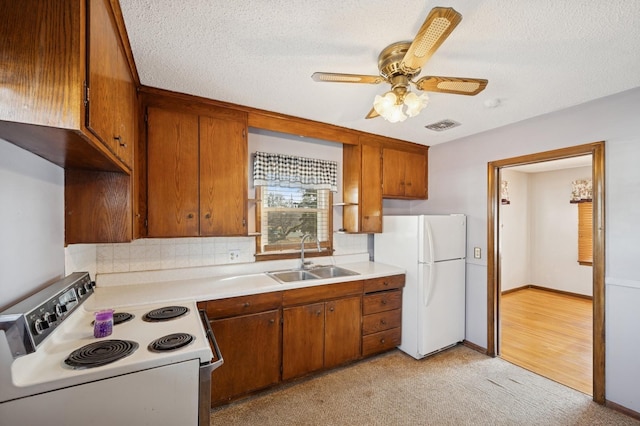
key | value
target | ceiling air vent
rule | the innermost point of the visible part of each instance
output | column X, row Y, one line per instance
column 442, row 125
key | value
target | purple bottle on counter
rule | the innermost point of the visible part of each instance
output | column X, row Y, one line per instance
column 103, row 325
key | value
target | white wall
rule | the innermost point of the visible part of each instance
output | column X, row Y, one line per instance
column 539, row 232
column 514, row 232
column 458, row 182
column 554, row 233
column 31, row 223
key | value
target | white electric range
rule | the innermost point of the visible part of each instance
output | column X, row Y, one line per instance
column 154, row 368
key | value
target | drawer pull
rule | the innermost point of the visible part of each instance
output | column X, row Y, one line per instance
column 246, row 304
column 385, row 283
column 382, row 341
column 383, row 301
column 383, row 322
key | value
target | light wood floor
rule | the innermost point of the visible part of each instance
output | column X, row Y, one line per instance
column 550, row 334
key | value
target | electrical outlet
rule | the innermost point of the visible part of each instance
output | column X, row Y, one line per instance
column 234, row 255
column 476, row 252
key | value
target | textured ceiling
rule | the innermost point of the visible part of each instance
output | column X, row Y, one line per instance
column 539, row 56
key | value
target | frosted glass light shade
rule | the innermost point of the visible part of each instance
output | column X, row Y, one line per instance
column 415, row 103
column 388, row 107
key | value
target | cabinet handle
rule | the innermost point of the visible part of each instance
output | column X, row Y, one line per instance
column 318, row 313
column 246, row 304
column 119, row 140
column 331, row 309
column 383, row 322
column 408, row 184
column 385, row 283
column 271, row 321
column 383, row 301
column 207, row 216
column 382, row 341
column 190, row 216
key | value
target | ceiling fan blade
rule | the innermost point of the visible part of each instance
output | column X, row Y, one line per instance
column 435, row 30
column 455, row 85
column 372, row 114
column 346, row 78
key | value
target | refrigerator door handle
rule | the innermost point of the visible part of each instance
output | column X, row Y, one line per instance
column 430, row 240
column 430, row 283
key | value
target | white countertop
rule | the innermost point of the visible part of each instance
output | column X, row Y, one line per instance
column 195, row 285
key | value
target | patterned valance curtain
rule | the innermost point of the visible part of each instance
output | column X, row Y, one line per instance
column 581, row 191
column 294, row 172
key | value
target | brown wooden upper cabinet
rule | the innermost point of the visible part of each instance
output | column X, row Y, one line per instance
column 71, row 94
column 362, row 186
column 196, row 172
column 111, row 91
column 404, row 174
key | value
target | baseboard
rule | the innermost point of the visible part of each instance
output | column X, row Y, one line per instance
column 475, row 347
column 621, row 409
column 552, row 290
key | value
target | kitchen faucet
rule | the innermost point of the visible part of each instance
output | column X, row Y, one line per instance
column 304, row 264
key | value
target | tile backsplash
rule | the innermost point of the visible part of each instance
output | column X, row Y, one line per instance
column 170, row 253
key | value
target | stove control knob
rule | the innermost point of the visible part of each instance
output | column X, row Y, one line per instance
column 40, row 326
column 61, row 309
column 88, row 287
column 50, row 318
column 81, row 291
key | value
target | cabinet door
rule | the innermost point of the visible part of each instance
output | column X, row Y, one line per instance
column 393, row 164
column 342, row 331
column 371, row 196
column 223, row 177
column 302, row 340
column 172, row 173
column 415, row 175
column 250, row 347
column 111, row 99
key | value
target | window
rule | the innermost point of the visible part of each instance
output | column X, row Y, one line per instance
column 287, row 214
column 295, row 196
column 585, row 233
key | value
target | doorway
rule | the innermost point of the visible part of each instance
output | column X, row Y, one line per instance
column 596, row 150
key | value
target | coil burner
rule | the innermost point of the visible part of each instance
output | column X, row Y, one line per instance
column 100, row 353
column 165, row 314
column 171, row 342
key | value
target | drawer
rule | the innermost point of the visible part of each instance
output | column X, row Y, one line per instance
column 380, row 302
column 382, row 341
column 384, row 283
column 381, row 321
column 242, row 305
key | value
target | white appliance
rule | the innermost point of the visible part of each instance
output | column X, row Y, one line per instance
column 432, row 250
column 155, row 367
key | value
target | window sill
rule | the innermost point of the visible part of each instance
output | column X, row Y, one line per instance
column 280, row 255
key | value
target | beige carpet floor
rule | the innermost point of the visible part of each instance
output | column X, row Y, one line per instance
column 456, row 387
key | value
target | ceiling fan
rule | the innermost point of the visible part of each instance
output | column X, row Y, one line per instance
column 400, row 62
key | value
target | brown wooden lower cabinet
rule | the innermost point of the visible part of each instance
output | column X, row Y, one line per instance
column 250, row 346
column 302, row 340
column 278, row 336
column 320, row 335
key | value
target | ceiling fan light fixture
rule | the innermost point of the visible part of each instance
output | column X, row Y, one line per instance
column 391, row 107
column 415, row 103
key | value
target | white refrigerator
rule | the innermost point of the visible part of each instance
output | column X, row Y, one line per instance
column 432, row 250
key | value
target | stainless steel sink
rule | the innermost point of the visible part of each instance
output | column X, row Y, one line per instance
column 290, row 276
column 331, row 272
column 319, row 272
